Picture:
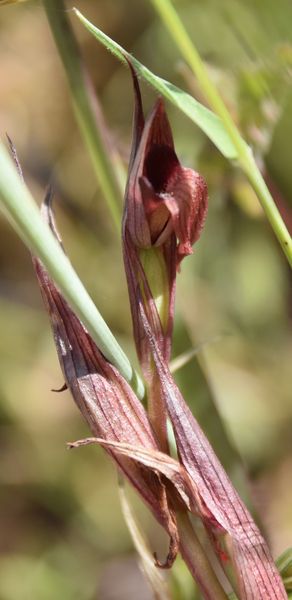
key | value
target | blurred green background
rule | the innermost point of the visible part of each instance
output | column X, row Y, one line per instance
column 62, row 534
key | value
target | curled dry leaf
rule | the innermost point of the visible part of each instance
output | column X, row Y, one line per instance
column 154, row 460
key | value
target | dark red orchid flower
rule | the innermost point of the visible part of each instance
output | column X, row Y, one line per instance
column 162, row 199
column 165, row 210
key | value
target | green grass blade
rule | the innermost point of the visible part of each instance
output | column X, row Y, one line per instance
column 199, row 114
column 24, row 215
column 86, row 108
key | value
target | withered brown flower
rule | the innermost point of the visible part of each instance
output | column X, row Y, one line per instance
column 163, row 198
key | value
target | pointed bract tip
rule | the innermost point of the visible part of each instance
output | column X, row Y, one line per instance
column 48, row 199
column 15, row 157
column 160, row 104
column 61, row 389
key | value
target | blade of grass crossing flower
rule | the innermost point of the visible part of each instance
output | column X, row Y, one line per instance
column 25, row 217
column 199, row 114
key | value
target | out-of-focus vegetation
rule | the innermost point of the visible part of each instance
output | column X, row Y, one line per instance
column 62, row 532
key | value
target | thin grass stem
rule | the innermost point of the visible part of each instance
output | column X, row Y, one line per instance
column 86, row 107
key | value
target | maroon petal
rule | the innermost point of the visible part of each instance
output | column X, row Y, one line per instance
column 153, row 156
column 157, row 213
column 181, row 208
column 187, row 201
column 151, row 159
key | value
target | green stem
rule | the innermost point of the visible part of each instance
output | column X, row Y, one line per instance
column 24, row 215
column 87, row 110
column 245, row 158
column 197, row 561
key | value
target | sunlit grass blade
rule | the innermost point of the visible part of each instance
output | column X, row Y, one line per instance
column 26, row 219
column 199, row 114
